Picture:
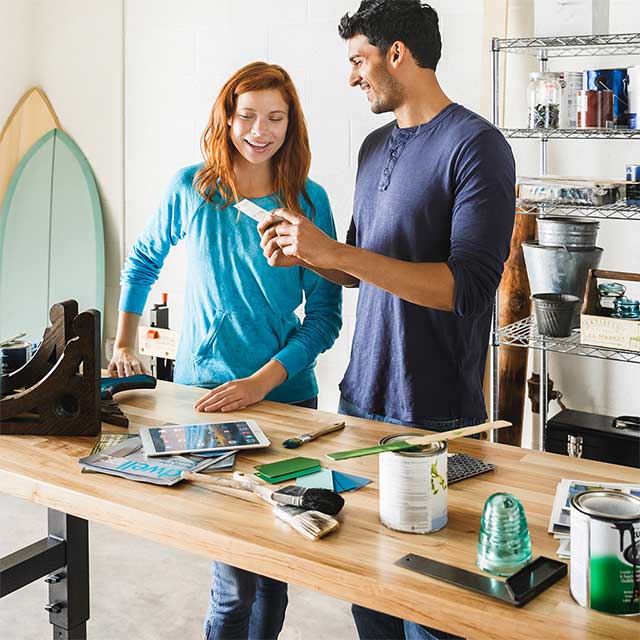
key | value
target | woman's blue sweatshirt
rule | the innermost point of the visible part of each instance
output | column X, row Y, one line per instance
column 239, row 311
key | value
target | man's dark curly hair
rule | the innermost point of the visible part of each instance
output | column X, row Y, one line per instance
column 385, row 21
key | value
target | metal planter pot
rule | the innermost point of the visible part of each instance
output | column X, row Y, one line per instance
column 554, row 313
column 560, row 269
column 569, row 232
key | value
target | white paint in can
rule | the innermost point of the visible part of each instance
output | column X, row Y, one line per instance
column 413, row 487
column 633, row 73
column 605, row 551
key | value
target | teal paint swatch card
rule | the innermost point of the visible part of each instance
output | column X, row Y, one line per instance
column 347, row 482
column 334, row 480
column 322, row 479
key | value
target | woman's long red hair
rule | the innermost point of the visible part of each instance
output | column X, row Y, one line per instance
column 290, row 163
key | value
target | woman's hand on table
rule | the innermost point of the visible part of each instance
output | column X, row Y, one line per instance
column 125, row 362
column 238, row 394
column 232, row 396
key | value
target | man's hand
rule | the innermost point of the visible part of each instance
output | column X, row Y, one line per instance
column 295, row 238
column 232, row 396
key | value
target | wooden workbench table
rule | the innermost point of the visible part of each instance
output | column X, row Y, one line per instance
column 356, row 563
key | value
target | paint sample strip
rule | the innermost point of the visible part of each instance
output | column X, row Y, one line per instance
column 253, row 210
column 334, row 480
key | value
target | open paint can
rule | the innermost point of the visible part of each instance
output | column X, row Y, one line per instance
column 413, row 487
column 605, row 551
column 14, row 356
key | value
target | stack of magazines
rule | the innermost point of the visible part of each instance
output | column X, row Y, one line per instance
column 125, row 457
column 559, row 523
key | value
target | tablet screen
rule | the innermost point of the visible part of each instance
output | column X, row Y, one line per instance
column 192, row 437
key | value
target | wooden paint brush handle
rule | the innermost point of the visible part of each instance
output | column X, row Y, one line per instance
column 237, row 486
column 243, row 494
column 336, row 426
column 458, row 433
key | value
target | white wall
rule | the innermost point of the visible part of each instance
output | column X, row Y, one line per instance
column 15, row 54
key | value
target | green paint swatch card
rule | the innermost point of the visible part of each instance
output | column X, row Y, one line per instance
column 287, row 476
column 287, row 469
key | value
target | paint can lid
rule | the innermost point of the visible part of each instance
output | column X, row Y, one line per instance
column 419, row 451
column 609, row 505
column 17, row 344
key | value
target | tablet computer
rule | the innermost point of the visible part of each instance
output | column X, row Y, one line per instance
column 199, row 438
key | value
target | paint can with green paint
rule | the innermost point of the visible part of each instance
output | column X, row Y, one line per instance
column 605, row 551
column 413, row 487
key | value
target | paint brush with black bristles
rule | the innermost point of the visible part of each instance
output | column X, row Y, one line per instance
column 298, row 441
column 313, row 525
column 307, row 498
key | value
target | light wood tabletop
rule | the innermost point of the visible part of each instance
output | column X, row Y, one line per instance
column 355, row 563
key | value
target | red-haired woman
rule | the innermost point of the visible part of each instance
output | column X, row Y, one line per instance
column 240, row 337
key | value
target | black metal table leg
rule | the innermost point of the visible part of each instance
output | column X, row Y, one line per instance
column 69, row 587
column 63, row 556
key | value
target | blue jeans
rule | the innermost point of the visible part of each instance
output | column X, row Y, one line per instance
column 244, row 604
column 373, row 625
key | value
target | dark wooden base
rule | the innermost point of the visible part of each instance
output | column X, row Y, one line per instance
column 58, row 391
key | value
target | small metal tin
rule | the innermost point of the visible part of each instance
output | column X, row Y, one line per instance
column 413, row 487
column 605, row 551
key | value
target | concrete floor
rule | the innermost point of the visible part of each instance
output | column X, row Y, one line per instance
column 141, row 590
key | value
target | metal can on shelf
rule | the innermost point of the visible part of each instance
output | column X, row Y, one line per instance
column 632, row 176
column 570, row 83
column 614, row 80
column 595, row 109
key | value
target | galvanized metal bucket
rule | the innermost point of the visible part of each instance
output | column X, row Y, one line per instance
column 560, row 269
column 555, row 231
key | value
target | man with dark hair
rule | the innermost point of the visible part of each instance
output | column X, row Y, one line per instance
column 433, row 214
column 414, row 23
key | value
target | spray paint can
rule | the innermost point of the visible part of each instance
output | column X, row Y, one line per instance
column 605, row 551
column 413, row 487
column 634, row 96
